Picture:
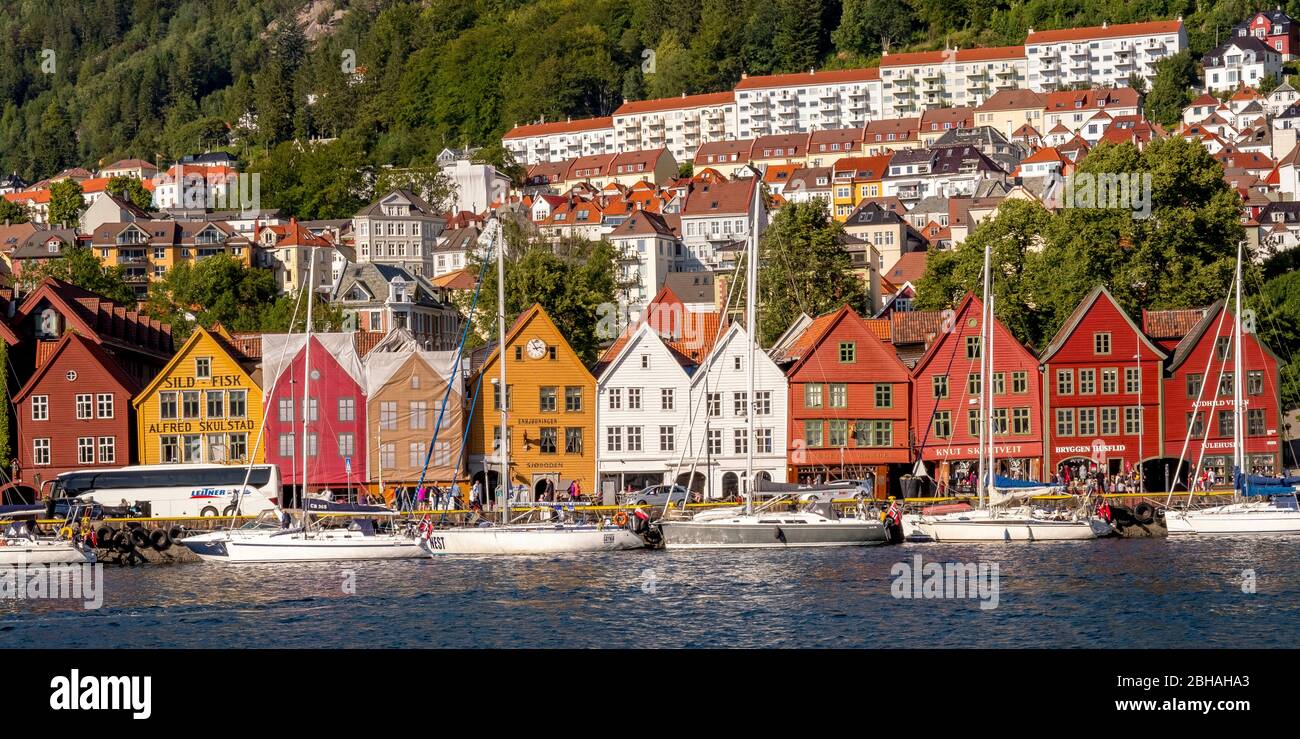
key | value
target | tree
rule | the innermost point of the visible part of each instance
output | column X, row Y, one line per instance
column 1172, row 89
column 574, row 281
column 279, row 317
column 804, row 269
column 66, row 203
column 429, row 182
column 217, row 289
column 1014, row 239
column 79, row 266
column 867, row 27
column 131, row 190
column 12, row 212
column 1277, row 322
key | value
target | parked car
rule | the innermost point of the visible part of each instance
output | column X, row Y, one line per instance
column 658, row 495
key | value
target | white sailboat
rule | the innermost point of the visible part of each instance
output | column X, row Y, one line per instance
column 265, row 540
column 515, row 538
column 743, row 527
column 1002, row 514
column 1278, row 512
column 20, row 545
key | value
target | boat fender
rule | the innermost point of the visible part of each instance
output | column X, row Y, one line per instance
column 140, row 537
column 159, row 540
column 65, row 532
column 780, row 535
column 1144, row 513
column 620, row 519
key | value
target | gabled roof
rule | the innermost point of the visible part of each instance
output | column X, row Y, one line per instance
column 1080, row 311
column 1194, row 336
column 915, row 326
column 102, row 320
column 910, row 267
column 223, row 341
column 970, row 303
column 1170, row 324
column 535, row 312
column 73, row 341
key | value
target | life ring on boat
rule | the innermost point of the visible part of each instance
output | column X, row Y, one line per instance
column 66, row 532
column 620, row 519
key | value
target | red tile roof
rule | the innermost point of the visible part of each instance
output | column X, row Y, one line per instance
column 558, row 127
column 679, row 103
column 1108, row 31
column 804, row 79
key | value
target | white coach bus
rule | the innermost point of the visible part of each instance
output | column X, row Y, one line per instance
column 174, row 490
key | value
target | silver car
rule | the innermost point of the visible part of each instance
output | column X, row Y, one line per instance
column 658, row 495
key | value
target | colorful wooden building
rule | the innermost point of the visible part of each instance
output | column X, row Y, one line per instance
column 336, row 410
column 1199, row 407
column 87, row 395
column 407, row 399
column 551, row 401
column 1102, row 392
column 74, row 413
column 947, row 382
column 204, row 407
column 850, row 401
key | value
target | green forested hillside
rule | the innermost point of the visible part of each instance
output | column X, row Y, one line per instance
column 157, row 78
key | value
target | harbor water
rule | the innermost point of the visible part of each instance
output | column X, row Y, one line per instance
column 1203, row 592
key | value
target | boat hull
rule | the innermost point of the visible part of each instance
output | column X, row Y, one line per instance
column 230, row 547
column 721, row 535
column 516, row 540
column 45, row 553
column 1240, row 519
column 977, row 529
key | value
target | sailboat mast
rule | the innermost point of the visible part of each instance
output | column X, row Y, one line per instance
column 504, row 446
column 751, row 313
column 985, row 314
column 306, row 381
column 1238, row 430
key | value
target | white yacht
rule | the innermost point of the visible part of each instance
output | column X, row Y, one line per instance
column 267, row 540
column 19, row 545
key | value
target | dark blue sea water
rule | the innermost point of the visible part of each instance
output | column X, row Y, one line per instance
column 1109, row 593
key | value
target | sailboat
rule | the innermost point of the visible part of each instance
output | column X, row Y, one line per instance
column 267, row 540
column 21, row 545
column 1003, row 512
column 745, row 527
column 515, row 537
column 1276, row 512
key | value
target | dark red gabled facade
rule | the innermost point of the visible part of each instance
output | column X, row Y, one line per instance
column 1274, row 28
column 1102, row 391
column 339, row 423
column 74, row 413
column 1199, row 379
column 946, row 385
column 850, row 403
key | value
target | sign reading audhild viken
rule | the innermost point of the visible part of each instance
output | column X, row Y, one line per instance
column 76, row 692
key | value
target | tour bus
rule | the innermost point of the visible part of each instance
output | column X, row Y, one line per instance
column 174, row 490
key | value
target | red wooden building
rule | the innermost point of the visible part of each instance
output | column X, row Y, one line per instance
column 947, row 382
column 850, row 402
column 336, row 423
column 1102, row 391
column 129, row 349
column 1199, row 394
column 74, row 412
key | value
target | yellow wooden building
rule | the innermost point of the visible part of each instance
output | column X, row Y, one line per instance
column 205, row 406
column 551, row 406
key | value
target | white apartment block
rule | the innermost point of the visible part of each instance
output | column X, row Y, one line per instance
column 808, row 101
column 677, row 124
column 911, row 83
column 555, row 142
column 648, row 250
column 1102, row 55
column 715, row 214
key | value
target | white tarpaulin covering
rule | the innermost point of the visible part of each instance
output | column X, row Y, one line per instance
column 279, row 351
